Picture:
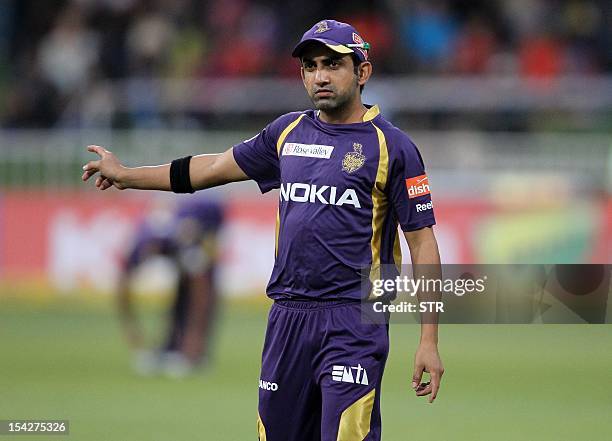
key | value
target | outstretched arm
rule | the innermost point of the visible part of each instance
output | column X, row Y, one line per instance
column 205, row 171
column 426, row 263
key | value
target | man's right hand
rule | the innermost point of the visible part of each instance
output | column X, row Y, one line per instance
column 108, row 166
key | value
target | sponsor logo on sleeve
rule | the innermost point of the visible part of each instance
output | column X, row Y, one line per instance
column 308, row 150
column 417, row 186
column 424, row 207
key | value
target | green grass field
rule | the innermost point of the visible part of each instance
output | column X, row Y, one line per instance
column 64, row 358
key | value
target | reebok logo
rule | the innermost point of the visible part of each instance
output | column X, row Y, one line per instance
column 417, row 186
column 344, row 374
column 324, row 194
column 424, row 207
column 268, row 385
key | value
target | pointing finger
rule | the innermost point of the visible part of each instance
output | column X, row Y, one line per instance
column 101, row 151
column 92, row 165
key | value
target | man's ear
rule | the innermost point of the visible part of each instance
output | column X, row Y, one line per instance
column 364, row 72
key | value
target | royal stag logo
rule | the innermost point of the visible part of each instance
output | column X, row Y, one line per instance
column 354, row 160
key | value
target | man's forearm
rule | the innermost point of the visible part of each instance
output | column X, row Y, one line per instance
column 426, row 265
column 202, row 172
column 205, row 171
column 429, row 333
column 146, row 178
column 429, row 319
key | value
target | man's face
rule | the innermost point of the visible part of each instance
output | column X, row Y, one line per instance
column 329, row 77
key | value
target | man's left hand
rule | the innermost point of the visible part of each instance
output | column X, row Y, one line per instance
column 428, row 360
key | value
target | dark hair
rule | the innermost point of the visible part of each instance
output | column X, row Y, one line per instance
column 356, row 64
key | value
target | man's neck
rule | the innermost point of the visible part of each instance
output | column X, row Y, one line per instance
column 350, row 114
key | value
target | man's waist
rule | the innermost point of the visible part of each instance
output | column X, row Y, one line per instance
column 307, row 303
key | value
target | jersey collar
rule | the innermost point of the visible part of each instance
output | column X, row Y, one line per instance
column 372, row 113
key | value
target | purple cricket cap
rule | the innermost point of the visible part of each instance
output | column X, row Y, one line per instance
column 339, row 37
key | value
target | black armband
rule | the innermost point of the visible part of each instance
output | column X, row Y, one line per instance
column 180, row 182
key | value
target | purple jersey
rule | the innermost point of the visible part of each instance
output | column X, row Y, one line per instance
column 344, row 188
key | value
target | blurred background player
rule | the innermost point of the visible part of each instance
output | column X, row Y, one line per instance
column 187, row 237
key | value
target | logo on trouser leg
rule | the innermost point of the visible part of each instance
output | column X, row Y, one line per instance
column 268, row 385
column 344, row 374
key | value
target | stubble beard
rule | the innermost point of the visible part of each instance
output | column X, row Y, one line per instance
column 336, row 104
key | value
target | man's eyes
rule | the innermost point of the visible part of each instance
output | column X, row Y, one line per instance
column 331, row 63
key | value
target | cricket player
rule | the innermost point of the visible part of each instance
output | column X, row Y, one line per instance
column 187, row 236
column 347, row 179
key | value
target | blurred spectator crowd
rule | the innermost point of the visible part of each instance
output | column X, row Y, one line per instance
column 54, row 50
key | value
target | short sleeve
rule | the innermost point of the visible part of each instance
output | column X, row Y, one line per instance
column 257, row 157
column 408, row 186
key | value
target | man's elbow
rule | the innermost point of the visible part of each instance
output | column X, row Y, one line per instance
column 423, row 246
column 420, row 237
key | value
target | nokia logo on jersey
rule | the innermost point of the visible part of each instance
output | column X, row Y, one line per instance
column 324, row 194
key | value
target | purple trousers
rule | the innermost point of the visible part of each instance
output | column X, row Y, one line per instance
column 321, row 373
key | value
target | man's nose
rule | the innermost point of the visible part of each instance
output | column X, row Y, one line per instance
column 321, row 75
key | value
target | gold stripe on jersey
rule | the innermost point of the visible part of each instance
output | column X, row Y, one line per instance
column 355, row 420
column 371, row 113
column 279, row 146
column 261, row 430
column 379, row 203
column 284, row 133
column 277, row 229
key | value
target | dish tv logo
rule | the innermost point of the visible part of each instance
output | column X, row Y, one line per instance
column 417, row 186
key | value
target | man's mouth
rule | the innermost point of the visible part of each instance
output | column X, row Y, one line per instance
column 323, row 93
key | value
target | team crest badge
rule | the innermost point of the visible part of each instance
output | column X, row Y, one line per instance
column 322, row 26
column 354, row 160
